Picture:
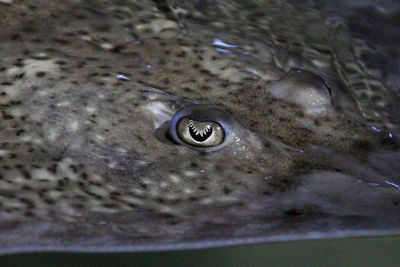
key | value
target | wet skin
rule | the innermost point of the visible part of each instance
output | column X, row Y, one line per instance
column 152, row 124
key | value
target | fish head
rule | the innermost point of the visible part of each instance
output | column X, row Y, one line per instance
column 159, row 124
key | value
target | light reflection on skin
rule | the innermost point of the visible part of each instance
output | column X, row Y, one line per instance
column 379, row 130
column 218, row 42
column 158, row 90
column 222, row 51
column 386, row 181
column 393, row 184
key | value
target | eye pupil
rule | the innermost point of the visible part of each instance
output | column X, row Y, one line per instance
column 202, row 128
column 199, row 135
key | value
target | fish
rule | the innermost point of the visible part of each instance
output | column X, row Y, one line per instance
column 158, row 125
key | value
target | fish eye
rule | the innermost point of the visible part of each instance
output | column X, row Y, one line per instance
column 200, row 133
column 202, row 128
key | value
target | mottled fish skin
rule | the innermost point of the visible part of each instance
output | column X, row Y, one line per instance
column 87, row 90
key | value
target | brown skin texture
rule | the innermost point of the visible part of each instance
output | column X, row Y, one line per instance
column 87, row 160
